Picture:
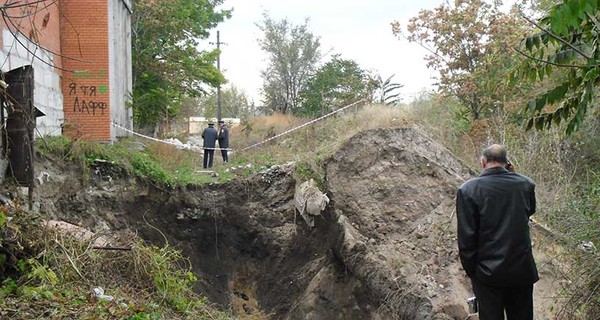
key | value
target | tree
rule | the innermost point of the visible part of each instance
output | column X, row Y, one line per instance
column 469, row 45
column 166, row 62
column 567, row 40
column 337, row 83
column 386, row 91
column 234, row 103
column 293, row 53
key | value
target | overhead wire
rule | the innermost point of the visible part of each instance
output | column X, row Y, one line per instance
column 19, row 32
column 34, row 12
column 11, row 5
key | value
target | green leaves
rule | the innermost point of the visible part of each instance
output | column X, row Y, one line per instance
column 166, row 62
column 568, row 41
column 339, row 82
column 293, row 55
column 386, row 91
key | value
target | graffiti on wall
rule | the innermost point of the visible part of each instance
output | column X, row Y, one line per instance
column 88, row 99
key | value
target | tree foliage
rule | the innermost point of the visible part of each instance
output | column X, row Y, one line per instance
column 386, row 91
column 468, row 44
column 293, row 53
column 166, row 62
column 234, row 103
column 567, row 39
column 337, row 83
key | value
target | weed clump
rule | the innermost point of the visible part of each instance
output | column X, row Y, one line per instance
column 56, row 273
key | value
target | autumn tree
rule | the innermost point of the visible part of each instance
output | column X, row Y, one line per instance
column 470, row 45
column 566, row 41
column 293, row 53
column 166, row 62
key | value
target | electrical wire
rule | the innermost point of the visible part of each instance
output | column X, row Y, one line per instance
column 24, row 46
column 29, row 14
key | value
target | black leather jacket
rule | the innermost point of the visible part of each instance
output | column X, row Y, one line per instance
column 493, row 213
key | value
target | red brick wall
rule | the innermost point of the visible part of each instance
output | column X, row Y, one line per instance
column 85, row 86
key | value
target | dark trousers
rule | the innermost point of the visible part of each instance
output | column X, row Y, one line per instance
column 493, row 301
column 208, row 158
column 224, row 154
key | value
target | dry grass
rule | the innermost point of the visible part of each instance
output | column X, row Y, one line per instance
column 565, row 171
column 59, row 270
column 313, row 142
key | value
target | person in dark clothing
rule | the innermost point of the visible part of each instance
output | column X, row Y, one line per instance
column 223, row 138
column 494, row 240
column 210, row 137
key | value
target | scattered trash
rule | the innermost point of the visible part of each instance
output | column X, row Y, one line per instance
column 43, row 177
column 182, row 146
column 309, row 201
column 99, row 294
column 587, row 246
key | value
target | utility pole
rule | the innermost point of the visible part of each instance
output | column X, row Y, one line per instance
column 219, row 86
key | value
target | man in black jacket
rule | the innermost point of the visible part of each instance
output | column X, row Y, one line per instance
column 494, row 242
column 210, row 137
column 223, row 138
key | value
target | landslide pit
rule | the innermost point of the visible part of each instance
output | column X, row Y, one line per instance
column 384, row 248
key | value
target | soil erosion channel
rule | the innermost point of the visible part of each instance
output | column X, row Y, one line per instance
column 384, row 248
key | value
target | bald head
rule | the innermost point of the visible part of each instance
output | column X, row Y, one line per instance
column 494, row 156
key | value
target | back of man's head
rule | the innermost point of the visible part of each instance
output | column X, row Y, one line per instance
column 495, row 153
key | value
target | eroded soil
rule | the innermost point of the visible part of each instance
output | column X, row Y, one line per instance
column 384, row 248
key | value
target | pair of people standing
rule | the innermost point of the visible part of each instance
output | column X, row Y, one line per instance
column 211, row 136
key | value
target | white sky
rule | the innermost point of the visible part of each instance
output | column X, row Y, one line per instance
column 356, row 29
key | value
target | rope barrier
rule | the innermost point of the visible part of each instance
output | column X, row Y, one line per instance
column 193, row 148
column 302, row 125
column 248, row 147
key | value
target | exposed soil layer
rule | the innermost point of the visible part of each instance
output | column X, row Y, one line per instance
column 384, row 248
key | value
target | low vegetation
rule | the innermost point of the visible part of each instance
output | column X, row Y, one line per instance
column 51, row 274
column 58, row 272
column 56, row 275
column 565, row 169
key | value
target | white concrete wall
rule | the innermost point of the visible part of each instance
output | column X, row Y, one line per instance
column 47, row 94
column 120, row 74
column 197, row 124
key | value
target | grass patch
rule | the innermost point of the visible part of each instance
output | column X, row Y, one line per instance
column 168, row 165
column 162, row 163
column 312, row 144
column 52, row 275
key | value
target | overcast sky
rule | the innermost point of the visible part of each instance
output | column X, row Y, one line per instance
column 356, row 29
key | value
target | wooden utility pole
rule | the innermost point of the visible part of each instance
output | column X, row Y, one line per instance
column 219, row 68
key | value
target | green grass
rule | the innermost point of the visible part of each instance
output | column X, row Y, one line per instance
column 56, row 273
column 160, row 163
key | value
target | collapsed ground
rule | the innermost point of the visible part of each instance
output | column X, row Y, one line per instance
column 384, row 248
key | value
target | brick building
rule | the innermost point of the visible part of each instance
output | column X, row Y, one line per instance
column 80, row 53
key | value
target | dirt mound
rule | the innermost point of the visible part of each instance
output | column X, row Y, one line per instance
column 396, row 187
column 384, row 248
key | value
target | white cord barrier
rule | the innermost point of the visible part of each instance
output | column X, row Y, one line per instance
column 251, row 146
column 169, row 142
column 303, row 125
